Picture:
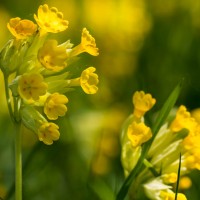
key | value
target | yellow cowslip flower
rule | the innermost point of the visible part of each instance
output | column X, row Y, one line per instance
column 48, row 132
column 138, row 133
column 184, row 183
column 182, row 120
column 142, row 103
column 192, row 159
column 50, row 20
column 31, row 86
column 165, row 195
column 170, row 178
column 55, row 106
column 87, row 44
column 88, row 81
column 52, row 56
column 21, row 29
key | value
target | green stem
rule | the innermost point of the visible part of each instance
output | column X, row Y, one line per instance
column 8, row 99
column 18, row 164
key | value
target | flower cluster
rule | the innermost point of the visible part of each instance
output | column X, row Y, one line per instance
column 180, row 135
column 36, row 71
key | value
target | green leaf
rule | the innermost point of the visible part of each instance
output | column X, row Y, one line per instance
column 161, row 118
column 179, row 172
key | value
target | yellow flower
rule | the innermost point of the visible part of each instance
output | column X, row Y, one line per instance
column 164, row 195
column 192, row 159
column 182, row 120
column 50, row 20
column 55, row 106
column 142, row 103
column 89, row 80
column 51, row 56
column 87, row 44
column 169, row 178
column 21, row 29
column 185, row 183
column 138, row 133
column 31, row 86
column 48, row 132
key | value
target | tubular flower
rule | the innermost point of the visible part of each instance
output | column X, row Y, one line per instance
column 48, row 132
column 55, row 106
column 21, row 29
column 50, row 20
column 89, row 80
column 31, row 86
column 138, row 133
column 87, row 44
column 51, row 56
column 142, row 103
column 183, row 120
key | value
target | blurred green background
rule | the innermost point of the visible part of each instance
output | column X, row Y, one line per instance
column 144, row 45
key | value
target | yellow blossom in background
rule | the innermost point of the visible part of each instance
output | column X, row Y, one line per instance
column 183, row 120
column 87, row 44
column 50, row 19
column 89, row 80
column 31, row 86
column 142, row 103
column 164, row 195
column 21, row 29
column 55, row 106
column 138, row 133
column 52, row 56
column 185, row 183
column 48, row 132
column 170, row 178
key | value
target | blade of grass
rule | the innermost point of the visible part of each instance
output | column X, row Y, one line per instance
column 163, row 114
column 177, row 184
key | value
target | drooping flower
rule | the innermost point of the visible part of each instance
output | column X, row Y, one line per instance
column 55, row 106
column 87, row 44
column 31, row 86
column 142, row 103
column 48, row 132
column 50, row 19
column 52, row 56
column 138, row 133
column 21, row 29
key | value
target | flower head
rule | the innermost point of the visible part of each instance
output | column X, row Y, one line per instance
column 138, row 133
column 21, row 29
column 89, row 80
column 55, row 106
column 50, row 20
column 48, row 132
column 31, row 86
column 182, row 120
column 87, row 44
column 165, row 195
column 51, row 56
column 142, row 103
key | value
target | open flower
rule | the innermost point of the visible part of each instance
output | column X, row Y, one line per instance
column 21, row 29
column 48, row 132
column 87, row 44
column 55, row 106
column 182, row 120
column 142, row 103
column 138, row 133
column 88, row 81
column 50, row 20
column 52, row 56
column 31, row 86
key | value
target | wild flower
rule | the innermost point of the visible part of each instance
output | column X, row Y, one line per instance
column 179, row 135
column 41, row 74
